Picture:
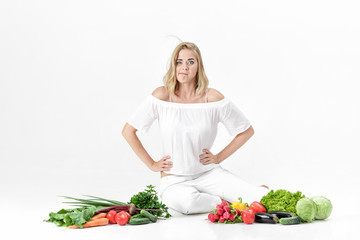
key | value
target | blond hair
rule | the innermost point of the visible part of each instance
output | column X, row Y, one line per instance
column 170, row 81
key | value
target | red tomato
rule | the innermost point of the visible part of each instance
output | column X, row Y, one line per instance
column 111, row 216
column 122, row 218
column 257, row 207
column 248, row 217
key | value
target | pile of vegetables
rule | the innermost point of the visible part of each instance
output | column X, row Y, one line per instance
column 279, row 206
column 142, row 208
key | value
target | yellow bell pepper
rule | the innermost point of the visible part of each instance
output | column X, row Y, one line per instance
column 239, row 205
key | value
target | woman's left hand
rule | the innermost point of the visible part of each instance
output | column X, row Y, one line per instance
column 208, row 158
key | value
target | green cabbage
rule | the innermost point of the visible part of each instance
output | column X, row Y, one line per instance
column 306, row 209
column 324, row 207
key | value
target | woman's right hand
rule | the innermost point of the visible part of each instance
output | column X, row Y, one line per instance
column 162, row 165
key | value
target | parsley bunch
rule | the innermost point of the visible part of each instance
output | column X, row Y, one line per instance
column 149, row 200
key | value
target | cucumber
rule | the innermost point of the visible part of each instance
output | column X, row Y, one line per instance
column 148, row 215
column 137, row 216
column 139, row 221
column 290, row 220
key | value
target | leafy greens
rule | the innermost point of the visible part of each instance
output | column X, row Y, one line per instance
column 149, row 200
column 68, row 217
column 281, row 200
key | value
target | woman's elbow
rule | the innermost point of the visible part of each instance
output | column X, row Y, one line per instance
column 128, row 129
column 251, row 131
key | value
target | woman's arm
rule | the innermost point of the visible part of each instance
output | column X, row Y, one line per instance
column 234, row 145
column 129, row 133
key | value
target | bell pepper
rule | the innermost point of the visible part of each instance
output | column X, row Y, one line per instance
column 239, row 205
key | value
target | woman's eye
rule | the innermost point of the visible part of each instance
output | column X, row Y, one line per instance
column 178, row 62
column 191, row 62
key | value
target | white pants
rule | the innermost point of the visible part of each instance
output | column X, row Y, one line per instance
column 201, row 193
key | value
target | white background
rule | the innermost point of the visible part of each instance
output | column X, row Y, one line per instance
column 72, row 72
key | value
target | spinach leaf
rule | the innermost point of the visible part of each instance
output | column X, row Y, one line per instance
column 68, row 217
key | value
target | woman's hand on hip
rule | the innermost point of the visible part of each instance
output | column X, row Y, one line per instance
column 208, row 158
column 162, row 165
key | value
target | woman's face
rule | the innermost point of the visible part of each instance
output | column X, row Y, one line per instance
column 186, row 66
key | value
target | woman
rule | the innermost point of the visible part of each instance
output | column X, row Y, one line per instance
column 188, row 112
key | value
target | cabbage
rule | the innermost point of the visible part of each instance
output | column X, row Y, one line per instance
column 306, row 209
column 324, row 207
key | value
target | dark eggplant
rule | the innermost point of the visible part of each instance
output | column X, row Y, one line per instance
column 266, row 218
column 281, row 214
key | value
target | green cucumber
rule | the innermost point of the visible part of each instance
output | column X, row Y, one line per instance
column 139, row 221
column 148, row 215
column 137, row 216
column 290, row 220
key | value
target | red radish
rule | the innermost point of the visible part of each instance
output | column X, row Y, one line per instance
column 219, row 206
column 227, row 208
column 248, row 217
column 238, row 212
column 220, row 211
column 224, row 203
column 216, row 217
column 226, row 215
column 232, row 217
column 222, row 219
column 111, row 216
column 211, row 217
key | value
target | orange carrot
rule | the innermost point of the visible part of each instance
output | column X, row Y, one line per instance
column 100, row 215
column 93, row 223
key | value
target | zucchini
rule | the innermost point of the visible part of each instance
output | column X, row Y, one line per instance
column 266, row 218
column 281, row 214
column 290, row 220
column 148, row 215
column 139, row 221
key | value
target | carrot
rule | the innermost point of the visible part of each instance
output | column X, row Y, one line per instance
column 100, row 215
column 93, row 223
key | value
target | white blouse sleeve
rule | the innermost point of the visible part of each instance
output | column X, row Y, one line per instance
column 233, row 119
column 144, row 116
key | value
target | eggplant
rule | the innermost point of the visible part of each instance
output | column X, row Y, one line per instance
column 281, row 214
column 266, row 218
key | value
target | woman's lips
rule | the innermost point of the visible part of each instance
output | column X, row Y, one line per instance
column 183, row 73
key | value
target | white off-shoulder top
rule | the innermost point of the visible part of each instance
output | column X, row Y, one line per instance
column 188, row 128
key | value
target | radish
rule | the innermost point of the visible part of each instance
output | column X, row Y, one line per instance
column 224, row 203
column 227, row 208
column 232, row 217
column 222, row 219
column 220, row 211
column 226, row 215
column 213, row 217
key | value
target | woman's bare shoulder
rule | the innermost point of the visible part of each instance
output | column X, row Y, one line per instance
column 214, row 95
column 161, row 93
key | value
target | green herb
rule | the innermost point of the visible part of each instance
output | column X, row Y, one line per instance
column 68, row 217
column 281, row 200
column 93, row 201
column 149, row 200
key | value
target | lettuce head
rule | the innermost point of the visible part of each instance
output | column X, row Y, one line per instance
column 324, row 207
column 306, row 209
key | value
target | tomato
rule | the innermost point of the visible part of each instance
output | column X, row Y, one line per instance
column 111, row 216
column 122, row 218
column 248, row 217
column 257, row 207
